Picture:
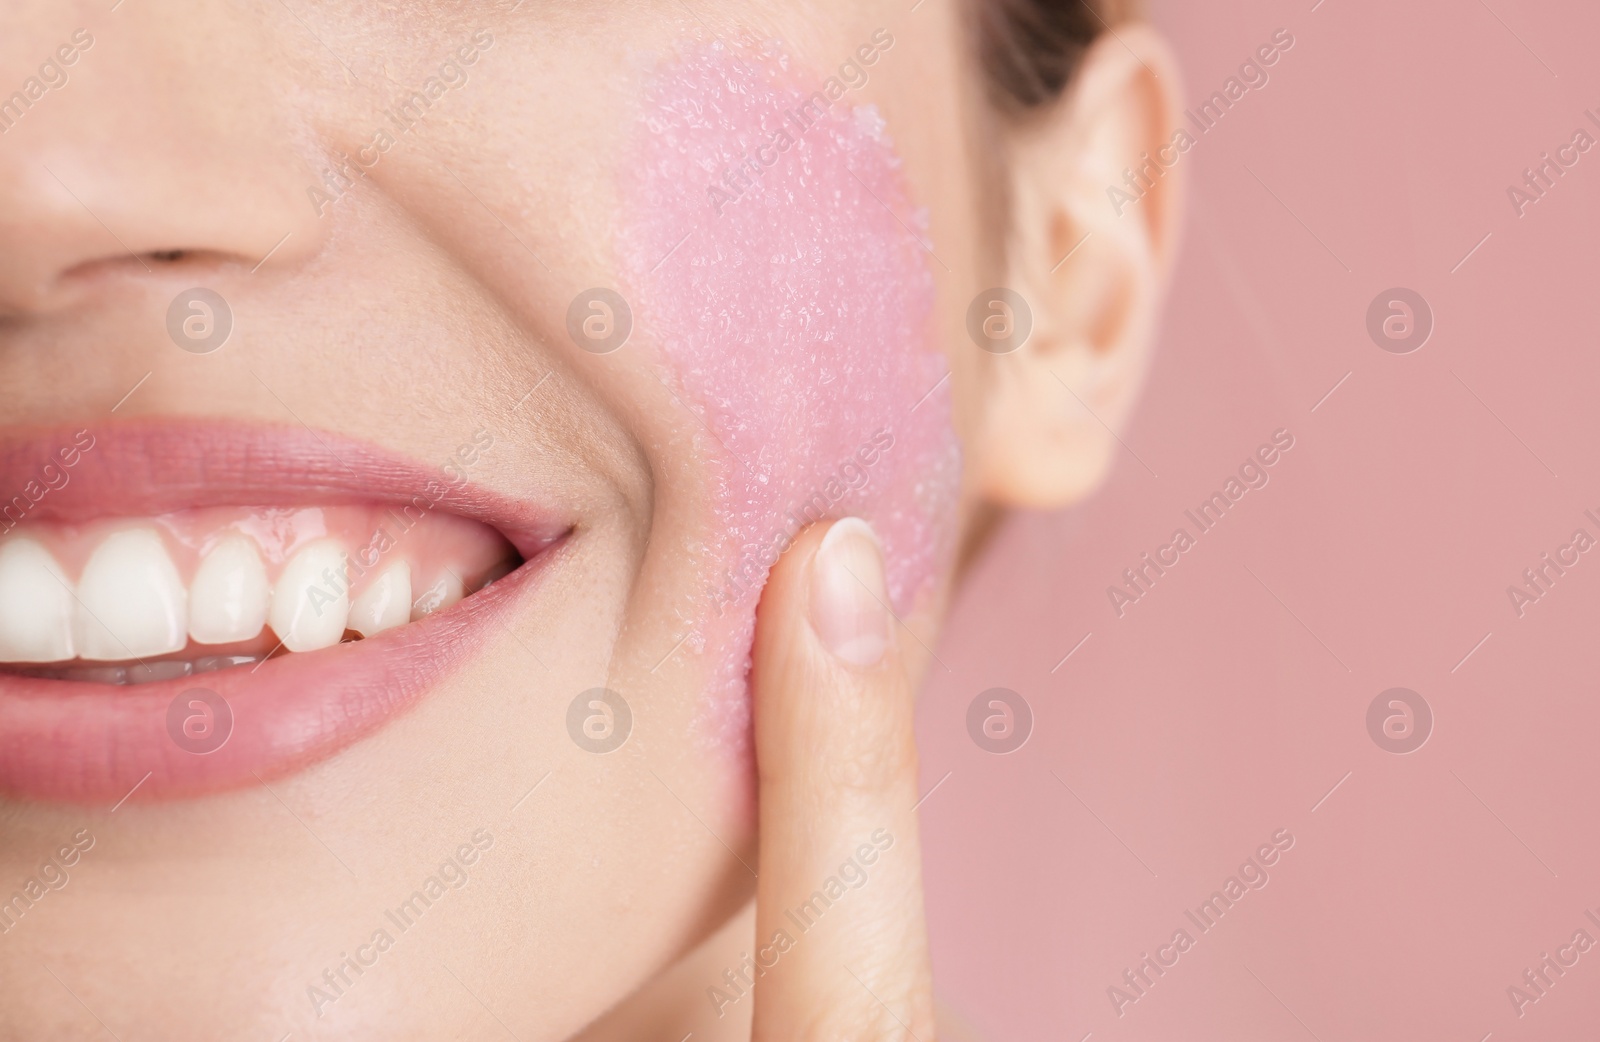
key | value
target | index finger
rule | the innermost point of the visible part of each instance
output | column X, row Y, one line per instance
column 841, row 939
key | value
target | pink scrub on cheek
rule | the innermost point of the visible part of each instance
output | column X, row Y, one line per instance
column 778, row 266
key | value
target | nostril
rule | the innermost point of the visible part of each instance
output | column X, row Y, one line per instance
column 135, row 264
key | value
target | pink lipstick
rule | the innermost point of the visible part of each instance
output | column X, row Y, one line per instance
column 149, row 722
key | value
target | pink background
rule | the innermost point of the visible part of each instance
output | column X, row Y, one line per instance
column 1230, row 701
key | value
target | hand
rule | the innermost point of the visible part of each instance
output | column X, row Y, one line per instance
column 842, row 949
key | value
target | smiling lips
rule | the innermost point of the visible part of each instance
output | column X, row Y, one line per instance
column 148, row 564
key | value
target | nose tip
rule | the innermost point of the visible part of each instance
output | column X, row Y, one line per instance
column 150, row 154
column 72, row 227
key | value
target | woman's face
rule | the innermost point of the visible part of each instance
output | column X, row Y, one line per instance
column 617, row 296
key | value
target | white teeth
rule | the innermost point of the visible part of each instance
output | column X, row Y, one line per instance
column 124, row 614
column 445, row 591
column 131, row 602
column 311, row 603
column 228, row 598
column 385, row 604
column 35, row 605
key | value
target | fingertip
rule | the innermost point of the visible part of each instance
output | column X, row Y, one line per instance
column 833, row 705
column 831, row 698
column 849, row 610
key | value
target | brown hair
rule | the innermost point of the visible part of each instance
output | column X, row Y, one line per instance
column 1029, row 49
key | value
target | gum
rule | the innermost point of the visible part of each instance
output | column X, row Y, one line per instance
column 790, row 300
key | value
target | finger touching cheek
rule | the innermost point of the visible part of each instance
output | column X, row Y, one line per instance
column 780, row 271
column 839, row 894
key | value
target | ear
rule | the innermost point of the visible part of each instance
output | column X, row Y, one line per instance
column 1095, row 193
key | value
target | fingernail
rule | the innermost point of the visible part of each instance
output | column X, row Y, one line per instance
column 849, row 605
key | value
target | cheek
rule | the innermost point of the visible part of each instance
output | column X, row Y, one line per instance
column 779, row 268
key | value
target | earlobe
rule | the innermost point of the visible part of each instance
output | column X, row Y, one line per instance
column 1094, row 212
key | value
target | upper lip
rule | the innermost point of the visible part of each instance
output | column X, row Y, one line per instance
column 144, row 468
column 85, row 742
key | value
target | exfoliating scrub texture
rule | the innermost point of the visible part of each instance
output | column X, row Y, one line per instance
column 780, row 269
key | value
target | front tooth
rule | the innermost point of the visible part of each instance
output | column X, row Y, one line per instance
column 35, row 605
column 311, row 602
column 445, row 591
column 385, row 604
column 131, row 602
column 228, row 598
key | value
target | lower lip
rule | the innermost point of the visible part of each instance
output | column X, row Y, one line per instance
column 96, row 743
